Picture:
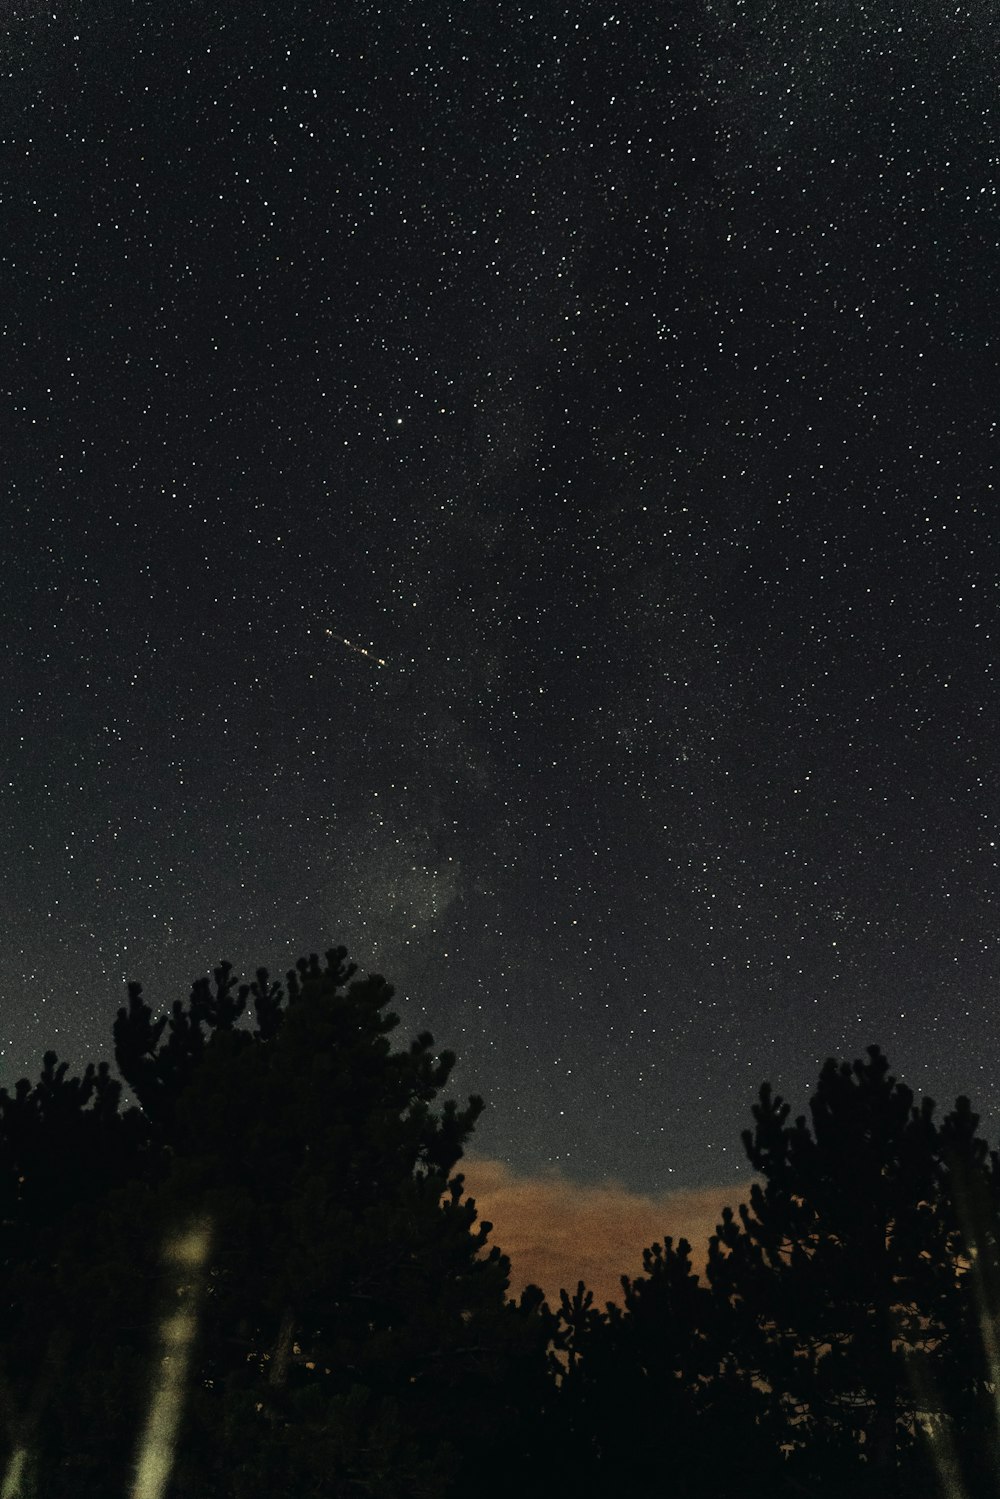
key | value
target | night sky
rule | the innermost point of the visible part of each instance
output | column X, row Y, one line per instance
column 510, row 489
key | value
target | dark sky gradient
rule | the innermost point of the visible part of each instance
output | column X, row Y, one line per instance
column 625, row 379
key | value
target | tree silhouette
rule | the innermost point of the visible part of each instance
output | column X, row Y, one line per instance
column 344, row 1330
column 648, row 1401
column 842, row 1279
column 64, row 1147
column 846, row 1340
column 353, row 1333
column 356, row 1332
column 965, row 1440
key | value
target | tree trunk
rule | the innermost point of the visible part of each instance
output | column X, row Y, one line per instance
column 281, row 1353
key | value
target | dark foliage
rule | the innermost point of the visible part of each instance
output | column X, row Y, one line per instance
column 352, row 1333
column 282, row 1203
column 845, row 1342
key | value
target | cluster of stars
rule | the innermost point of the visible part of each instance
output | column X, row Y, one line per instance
column 624, row 381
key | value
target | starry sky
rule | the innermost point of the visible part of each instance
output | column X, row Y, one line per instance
column 510, row 489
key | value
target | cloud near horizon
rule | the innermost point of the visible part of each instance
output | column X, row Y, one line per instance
column 557, row 1232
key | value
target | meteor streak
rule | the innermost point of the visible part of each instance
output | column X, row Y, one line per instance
column 359, row 648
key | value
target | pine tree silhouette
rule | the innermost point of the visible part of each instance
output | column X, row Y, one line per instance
column 841, row 1279
column 353, row 1331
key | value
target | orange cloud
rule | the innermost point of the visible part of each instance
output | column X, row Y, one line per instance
column 557, row 1232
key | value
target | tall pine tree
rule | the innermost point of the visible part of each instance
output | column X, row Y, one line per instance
column 843, row 1282
column 351, row 1330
